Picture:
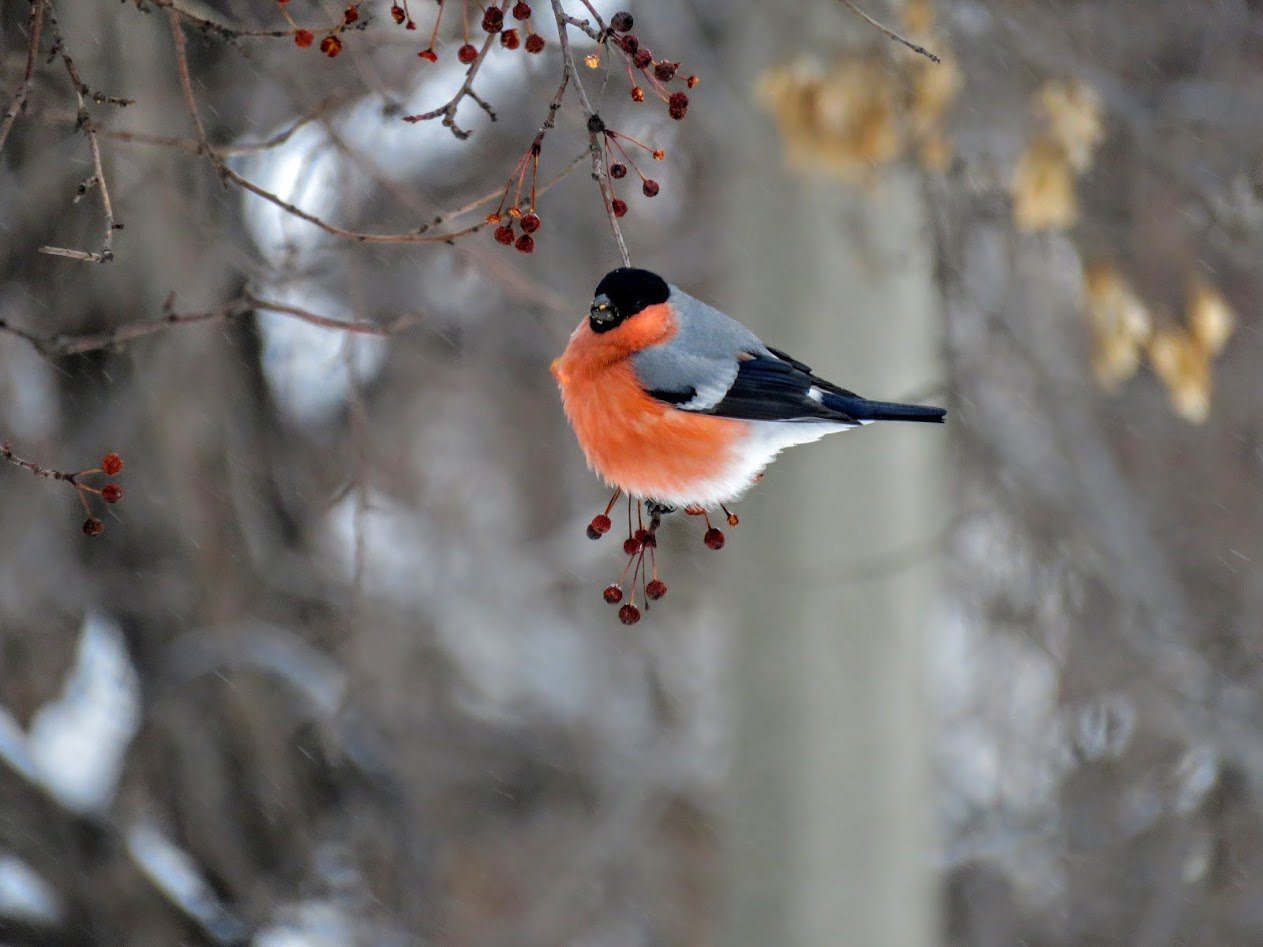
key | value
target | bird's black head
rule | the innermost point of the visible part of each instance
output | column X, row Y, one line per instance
column 623, row 293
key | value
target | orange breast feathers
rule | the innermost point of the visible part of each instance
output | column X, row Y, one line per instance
column 648, row 448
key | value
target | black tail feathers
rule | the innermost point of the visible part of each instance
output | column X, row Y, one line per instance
column 864, row 410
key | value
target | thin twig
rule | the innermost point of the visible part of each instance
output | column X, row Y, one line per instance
column 231, row 33
column 18, row 100
column 225, row 151
column 186, row 86
column 596, row 129
column 448, row 109
column 919, row 50
column 67, row 344
column 84, row 123
column 6, row 453
column 587, row 27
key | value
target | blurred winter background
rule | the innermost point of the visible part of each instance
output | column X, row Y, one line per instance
column 338, row 671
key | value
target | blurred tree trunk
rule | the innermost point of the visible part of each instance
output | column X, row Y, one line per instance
column 828, row 831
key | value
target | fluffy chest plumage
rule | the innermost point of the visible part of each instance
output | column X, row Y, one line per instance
column 648, row 448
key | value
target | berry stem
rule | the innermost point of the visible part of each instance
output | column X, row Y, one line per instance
column 614, row 499
column 600, row 173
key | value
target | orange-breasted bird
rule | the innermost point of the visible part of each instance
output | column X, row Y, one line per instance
column 674, row 402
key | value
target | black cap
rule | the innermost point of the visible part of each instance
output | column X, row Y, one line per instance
column 623, row 293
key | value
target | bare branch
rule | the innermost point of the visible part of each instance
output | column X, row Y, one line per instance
column 65, row 344
column 230, row 33
column 186, row 86
column 898, row 38
column 6, row 453
column 448, row 110
column 596, row 129
column 18, row 100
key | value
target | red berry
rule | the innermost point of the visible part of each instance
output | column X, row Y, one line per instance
column 467, row 53
column 599, row 526
column 112, row 464
column 534, row 43
column 111, row 493
column 530, row 223
column 525, row 244
column 637, row 94
column 629, row 614
column 521, row 10
column 504, row 234
column 650, row 188
column 621, row 22
column 93, row 526
column 665, row 71
column 350, row 15
column 618, row 171
column 429, row 55
column 630, row 44
column 677, row 105
column 331, row 46
column 714, row 538
column 509, row 39
column 631, row 545
column 396, row 13
column 302, row 39
column 612, row 594
column 642, row 58
column 656, row 589
column 618, row 206
column 493, row 20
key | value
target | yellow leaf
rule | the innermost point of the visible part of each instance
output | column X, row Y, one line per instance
column 1184, row 367
column 1072, row 111
column 1043, row 188
column 1120, row 324
column 1210, row 318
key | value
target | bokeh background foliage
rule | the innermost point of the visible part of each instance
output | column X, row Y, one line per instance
column 338, row 670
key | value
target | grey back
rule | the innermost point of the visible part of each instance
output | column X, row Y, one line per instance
column 701, row 357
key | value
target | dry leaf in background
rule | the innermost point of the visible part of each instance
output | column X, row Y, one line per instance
column 1044, row 196
column 1182, row 357
column 1184, row 368
column 861, row 112
column 1210, row 318
column 1043, row 188
column 1120, row 324
column 1072, row 112
column 840, row 119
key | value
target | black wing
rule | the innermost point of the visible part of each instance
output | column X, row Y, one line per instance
column 785, row 389
column 779, row 389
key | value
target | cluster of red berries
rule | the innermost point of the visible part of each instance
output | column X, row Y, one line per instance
column 656, row 73
column 642, row 543
column 331, row 43
column 521, row 207
column 617, row 158
column 111, row 465
column 529, row 222
column 492, row 23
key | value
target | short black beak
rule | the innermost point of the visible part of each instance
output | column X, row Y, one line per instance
column 602, row 311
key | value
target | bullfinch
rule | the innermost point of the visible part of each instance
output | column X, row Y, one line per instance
column 678, row 404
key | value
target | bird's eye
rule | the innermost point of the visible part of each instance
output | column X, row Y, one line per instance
column 602, row 311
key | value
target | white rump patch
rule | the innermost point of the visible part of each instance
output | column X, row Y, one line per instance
column 765, row 440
